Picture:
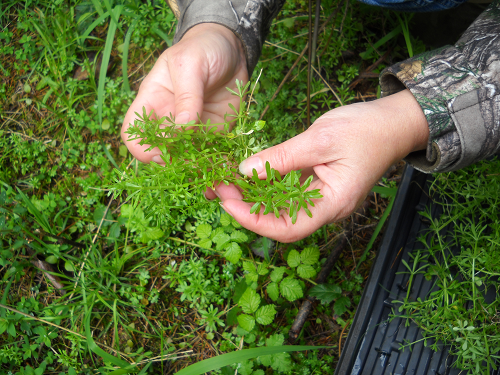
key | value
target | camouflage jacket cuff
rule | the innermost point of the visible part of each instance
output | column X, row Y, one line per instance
column 250, row 20
column 459, row 92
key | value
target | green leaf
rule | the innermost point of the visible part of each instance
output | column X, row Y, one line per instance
column 326, row 293
column 245, row 367
column 255, row 208
column 259, row 125
column 265, row 314
column 289, row 22
column 114, row 230
column 273, row 291
column 306, row 271
column 251, row 270
column 12, row 330
column 247, row 322
column 239, row 236
column 341, row 305
column 249, row 267
column 99, row 214
column 275, row 340
column 249, row 301
column 239, row 356
column 3, row 325
column 225, row 219
column 221, row 239
column 233, row 252
column 293, row 258
column 151, row 234
column 205, row 243
column 277, row 274
column 262, row 269
column 291, row 289
column 204, row 230
column 279, row 361
column 310, row 255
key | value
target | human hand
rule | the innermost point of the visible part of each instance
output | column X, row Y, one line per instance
column 347, row 150
column 189, row 80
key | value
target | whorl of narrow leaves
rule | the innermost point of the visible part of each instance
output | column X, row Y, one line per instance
column 197, row 156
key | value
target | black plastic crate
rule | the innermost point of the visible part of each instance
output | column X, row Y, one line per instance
column 373, row 346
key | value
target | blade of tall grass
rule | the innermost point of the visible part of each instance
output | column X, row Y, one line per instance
column 98, row 7
column 92, row 26
column 381, row 42
column 105, row 60
column 403, row 22
column 164, row 36
column 108, row 154
column 109, row 7
column 39, row 217
column 126, row 44
column 240, row 356
column 378, row 228
column 123, row 365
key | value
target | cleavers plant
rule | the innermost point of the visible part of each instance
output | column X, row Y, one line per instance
column 198, row 156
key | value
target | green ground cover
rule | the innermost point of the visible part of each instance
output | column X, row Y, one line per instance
column 92, row 283
column 460, row 254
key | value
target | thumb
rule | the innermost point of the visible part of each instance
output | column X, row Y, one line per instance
column 188, row 83
column 302, row 151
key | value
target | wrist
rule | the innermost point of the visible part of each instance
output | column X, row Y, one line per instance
column 406, row 126
column 217, row 30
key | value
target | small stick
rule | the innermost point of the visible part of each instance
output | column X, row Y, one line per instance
column 293, row 67
column 284, row 80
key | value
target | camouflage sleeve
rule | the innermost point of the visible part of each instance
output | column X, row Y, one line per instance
column 250, row 20
column 458, row 90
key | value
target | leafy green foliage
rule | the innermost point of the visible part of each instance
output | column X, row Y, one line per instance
column 326, row 293
column 148, row 285
column 196, row 159
column 463, row 264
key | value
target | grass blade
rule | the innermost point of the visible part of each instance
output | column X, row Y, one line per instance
column 126, row 44
column 381, row 42
column 109, row 156
column 406, row 32
column 39, row 217
column 105, row 60
column 385, row 190
column 239, row 356
column 92, row 26
column 164, row 36
column 124, row 365
column 377, row 230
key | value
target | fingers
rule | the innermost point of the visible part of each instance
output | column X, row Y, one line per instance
column 188, row 80
column 280, row 229
column 313, row 147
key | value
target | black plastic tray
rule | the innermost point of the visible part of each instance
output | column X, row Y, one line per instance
column 373, row 346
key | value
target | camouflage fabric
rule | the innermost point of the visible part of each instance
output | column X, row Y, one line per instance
column 458, row 90
column 249, row 19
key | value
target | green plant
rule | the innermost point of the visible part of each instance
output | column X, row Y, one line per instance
column 463, row 265
column 196, row 160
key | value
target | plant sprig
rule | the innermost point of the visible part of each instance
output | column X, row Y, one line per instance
column 198, row 156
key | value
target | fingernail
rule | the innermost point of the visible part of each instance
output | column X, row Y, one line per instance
column 247, row 166
column 182, row 118
column 225, row 209
column 158, row 160
column 216, row 193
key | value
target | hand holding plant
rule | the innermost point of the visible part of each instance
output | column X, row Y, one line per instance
column 189, row 80
column 346, row 151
